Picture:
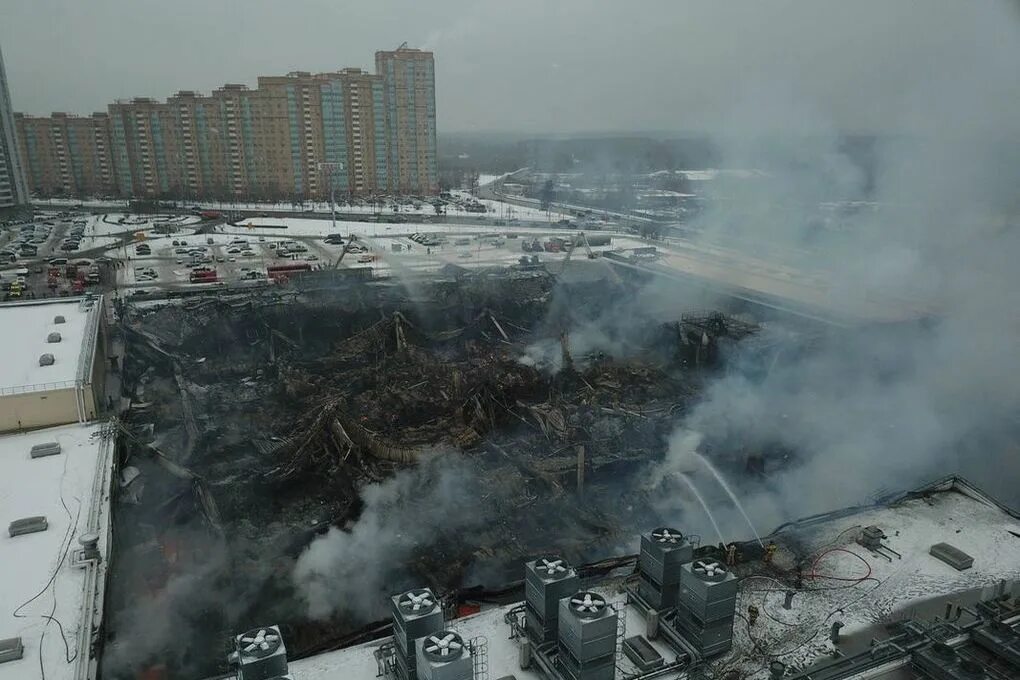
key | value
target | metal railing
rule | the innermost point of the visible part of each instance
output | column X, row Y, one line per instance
column 37, row 387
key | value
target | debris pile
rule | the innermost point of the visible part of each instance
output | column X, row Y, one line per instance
column 286, row 409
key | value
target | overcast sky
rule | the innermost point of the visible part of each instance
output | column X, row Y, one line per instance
column 541, row 65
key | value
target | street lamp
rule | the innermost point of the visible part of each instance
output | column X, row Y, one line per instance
column 327, row 169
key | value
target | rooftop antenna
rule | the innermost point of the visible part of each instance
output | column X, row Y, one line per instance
column 403, row 46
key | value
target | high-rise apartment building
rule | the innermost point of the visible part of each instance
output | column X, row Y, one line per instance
column 13, row 188
column 295, row 136
column 147, row 154
column 410, row 101
column 67, row 155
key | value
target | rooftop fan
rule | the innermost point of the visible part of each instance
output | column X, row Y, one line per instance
column 443, row 646
column 259, row 642
column 709, row 571
column 551, row 567
column 588, row 605
column 667, row 535
column 417, row 602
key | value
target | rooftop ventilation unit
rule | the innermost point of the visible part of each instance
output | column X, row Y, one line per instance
column 547, row 580
column 663, row 551
column 46, row 360
column 261, row 654
column 59, row 318
column 27, row 525
column 11, row 649
column 53, row 337
column 941, row 662
column 45, row 449
column 587, row 637
column 415, row 614
column 443, row 655
column 708, row 602
column 952, row 556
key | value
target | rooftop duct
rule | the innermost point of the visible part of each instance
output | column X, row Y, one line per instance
column 53, row 337
column 45, row 449
column 59, row 318
column 46, row 360
column 443, row 655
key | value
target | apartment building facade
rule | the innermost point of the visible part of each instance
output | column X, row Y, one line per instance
column 410, row 101
column 67, row 155
column 293, row 137
column 13, row 186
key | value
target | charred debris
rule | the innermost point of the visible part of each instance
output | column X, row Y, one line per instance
column 255, row 421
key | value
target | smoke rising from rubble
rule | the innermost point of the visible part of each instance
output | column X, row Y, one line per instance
column 352, row 571
column 880, row 407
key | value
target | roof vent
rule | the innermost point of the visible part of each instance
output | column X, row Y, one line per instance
column 667, row 535
column 952, row 556
column 45, row 449
column 11, row 649
column 552, row 567
column 46, row 359
column 53, row 337
column 27, row 525
column 443, row 646
column 709, row 570
column 261, row 653
column 587, row 605
column 59, row 318
column 417, row 602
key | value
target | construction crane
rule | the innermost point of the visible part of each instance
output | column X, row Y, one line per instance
column 343, row 251
column 581, row 238
column 592, row 255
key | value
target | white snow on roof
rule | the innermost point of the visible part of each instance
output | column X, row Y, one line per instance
column 799, row 635
column 26, row 326
column 78, row 478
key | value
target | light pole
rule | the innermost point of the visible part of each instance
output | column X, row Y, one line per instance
column 327, row 169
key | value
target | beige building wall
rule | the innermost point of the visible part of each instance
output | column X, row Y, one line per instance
column 38, row 409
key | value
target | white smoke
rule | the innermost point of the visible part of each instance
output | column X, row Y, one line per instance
column 352, row 571
column 882, row 406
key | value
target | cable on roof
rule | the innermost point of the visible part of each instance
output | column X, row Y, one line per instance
column 66, row 542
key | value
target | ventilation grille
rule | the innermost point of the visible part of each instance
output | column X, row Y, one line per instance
column 59, row 319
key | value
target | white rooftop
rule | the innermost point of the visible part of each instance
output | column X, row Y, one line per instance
column 870, row 590
column 26, row 326
column 72, row 490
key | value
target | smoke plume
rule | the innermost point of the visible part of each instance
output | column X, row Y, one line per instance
column 916, row 248
column 353, row 570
